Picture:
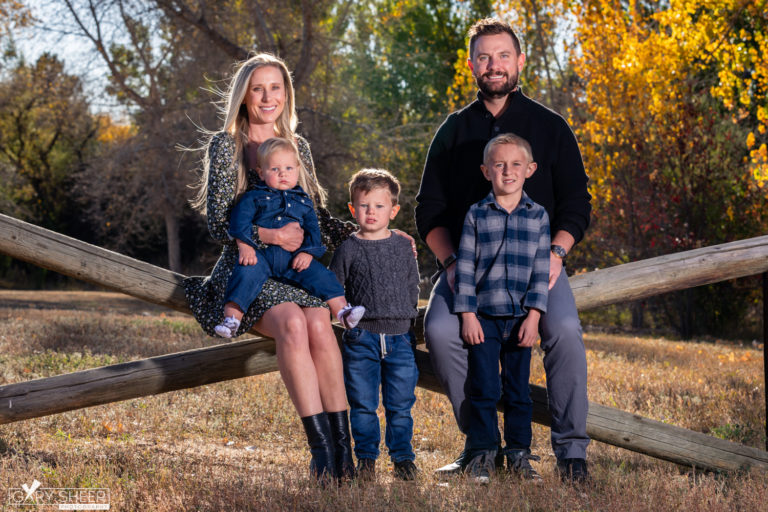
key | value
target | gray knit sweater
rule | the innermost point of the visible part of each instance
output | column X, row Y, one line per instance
column 383, row 276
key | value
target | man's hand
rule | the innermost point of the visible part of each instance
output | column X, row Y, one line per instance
column 555, row 268
column 450, row 275
column 529, row 329
column 246, row 254
column 565, row 240
column 471, row 330
column 301, row 261
column 289, row 237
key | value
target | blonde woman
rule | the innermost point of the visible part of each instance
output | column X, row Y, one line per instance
column 260, row 105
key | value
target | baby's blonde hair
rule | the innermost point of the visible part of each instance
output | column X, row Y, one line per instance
column 310, row 186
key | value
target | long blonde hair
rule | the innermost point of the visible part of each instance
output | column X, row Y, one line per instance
column 235, row 116
column 269, row 146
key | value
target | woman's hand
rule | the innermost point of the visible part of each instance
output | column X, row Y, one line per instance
column 409, row 238
column 289, row 237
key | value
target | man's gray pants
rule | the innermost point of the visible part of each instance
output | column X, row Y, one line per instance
column 565, row 363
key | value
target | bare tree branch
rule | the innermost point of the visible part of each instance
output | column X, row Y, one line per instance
column 180, row 11
column 263, row 32
column 98, row 42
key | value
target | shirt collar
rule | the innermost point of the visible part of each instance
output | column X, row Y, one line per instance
column 514, row 100
column 489, row 201
column 261, row 185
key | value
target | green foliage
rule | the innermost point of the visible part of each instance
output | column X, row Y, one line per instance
column 46, row 135
column 391, row 81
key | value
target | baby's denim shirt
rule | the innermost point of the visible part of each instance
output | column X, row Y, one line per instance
column 270, row 208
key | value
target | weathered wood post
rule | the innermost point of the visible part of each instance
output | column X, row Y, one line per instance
column 765, row 352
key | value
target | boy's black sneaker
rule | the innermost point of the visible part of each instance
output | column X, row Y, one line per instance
column 482, row 467
column 366, row 470
column 518, row 463
column 406, row 470
column 573, row 470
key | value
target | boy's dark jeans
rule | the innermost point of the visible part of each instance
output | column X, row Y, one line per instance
column 485, row 387
column 366, row 366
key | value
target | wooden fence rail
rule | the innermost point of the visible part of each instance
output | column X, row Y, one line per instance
column 170, row 372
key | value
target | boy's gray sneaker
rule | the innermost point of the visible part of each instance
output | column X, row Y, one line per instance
column 482, row 467
column 518, row 463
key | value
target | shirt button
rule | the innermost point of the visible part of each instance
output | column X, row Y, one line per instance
column 279, row 218
column 289, row 204
column 495, row 128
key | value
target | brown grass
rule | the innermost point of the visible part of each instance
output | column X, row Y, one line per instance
column 239, row 445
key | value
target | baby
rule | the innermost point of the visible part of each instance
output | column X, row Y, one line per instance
column 273, row 203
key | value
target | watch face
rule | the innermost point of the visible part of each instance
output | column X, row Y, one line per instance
column 558, row 251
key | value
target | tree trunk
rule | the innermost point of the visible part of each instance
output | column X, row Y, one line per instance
column 174, row 241
column 638, row 312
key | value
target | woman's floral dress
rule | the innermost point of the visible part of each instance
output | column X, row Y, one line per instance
column 205, row 295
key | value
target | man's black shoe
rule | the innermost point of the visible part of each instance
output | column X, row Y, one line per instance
column 573, row 470
column 455, row 468
column 458, row 466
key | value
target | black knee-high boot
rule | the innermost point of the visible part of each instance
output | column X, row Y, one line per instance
column 323, row 464
column 345, row 466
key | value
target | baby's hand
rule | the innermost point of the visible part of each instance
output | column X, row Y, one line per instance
column 247, row 254
column 301, row 261
column 471, row 330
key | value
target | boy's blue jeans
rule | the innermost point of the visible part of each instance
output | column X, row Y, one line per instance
column 485, row 387
column 372, row 360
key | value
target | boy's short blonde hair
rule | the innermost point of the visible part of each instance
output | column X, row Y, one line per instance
column 366, row 180
column 507, row 138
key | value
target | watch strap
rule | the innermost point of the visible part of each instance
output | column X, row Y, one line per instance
column 449, row 260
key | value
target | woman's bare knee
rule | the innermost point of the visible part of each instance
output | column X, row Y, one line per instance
column 287, row 325
column 319, row 329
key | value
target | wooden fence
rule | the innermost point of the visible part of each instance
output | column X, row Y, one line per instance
column 255, row 356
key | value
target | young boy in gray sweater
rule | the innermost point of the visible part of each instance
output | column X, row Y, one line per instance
column 379, row 271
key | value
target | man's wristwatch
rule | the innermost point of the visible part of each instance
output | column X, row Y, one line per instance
column 558, row 251
column 449, row 260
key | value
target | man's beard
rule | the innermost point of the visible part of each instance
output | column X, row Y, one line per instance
column 497, row 89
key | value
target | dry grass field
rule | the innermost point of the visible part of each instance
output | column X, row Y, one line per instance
column 239, row 445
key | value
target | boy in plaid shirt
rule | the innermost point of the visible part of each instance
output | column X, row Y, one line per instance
column 502, row 276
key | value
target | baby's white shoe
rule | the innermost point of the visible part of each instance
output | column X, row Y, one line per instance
column 350, row 315
column 228, row 327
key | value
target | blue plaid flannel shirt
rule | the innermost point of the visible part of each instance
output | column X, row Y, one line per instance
column 503, row 260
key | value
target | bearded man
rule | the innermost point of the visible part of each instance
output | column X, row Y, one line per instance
column 452, row 182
